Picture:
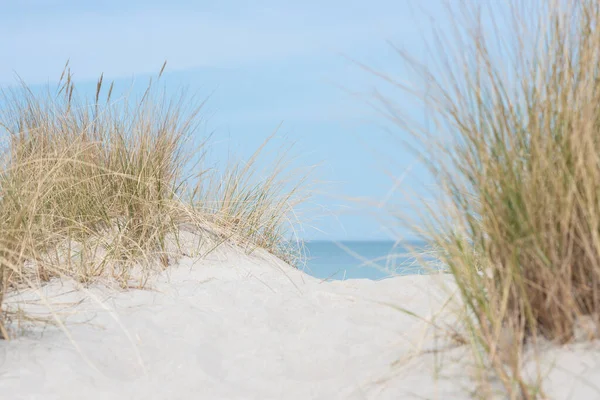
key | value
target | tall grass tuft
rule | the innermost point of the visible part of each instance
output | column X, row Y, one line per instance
column 97, row 188
column 514, row 97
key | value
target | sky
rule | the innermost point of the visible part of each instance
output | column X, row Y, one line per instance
column 261, row 64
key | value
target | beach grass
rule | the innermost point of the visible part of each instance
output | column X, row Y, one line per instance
column 513, row 141
column 100, row 187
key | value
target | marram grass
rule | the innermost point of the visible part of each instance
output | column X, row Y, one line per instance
column 514, row 144
column 101, row 187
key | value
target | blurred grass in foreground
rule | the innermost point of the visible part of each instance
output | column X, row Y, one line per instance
column 514, row 96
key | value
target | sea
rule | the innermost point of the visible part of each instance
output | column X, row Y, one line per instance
column 375, row 260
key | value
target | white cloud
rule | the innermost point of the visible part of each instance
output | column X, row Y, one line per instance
column 303, row 112
column 37, row 46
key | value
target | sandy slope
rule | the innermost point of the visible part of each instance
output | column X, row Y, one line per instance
column 248, row 327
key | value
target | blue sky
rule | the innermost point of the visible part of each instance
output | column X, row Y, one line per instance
column 263, row 63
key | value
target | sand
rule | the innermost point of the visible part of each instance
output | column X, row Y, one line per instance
column 236, row 326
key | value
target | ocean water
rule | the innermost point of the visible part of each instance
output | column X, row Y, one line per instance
column 361, row 259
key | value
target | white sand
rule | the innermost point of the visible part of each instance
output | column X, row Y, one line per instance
column 248, row 327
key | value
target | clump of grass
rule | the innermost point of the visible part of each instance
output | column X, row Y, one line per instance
column 95, row 188
column 256, row 209
column 515, row 103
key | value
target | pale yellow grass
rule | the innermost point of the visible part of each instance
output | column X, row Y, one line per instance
column 101, row 187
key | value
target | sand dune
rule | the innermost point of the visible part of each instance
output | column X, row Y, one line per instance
column 233, row 326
